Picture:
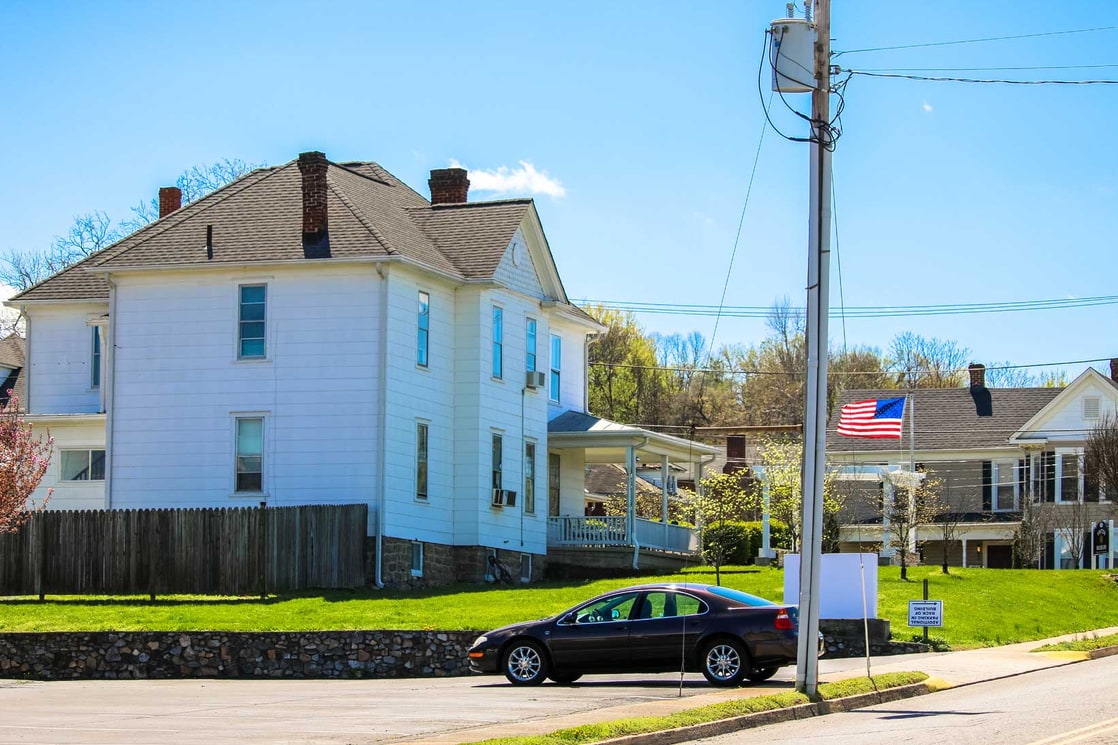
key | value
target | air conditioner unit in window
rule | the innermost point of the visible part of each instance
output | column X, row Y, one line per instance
column 536, row 379
column 510, row 498
column 498, row 497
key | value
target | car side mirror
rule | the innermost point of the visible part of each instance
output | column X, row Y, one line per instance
column 569, row 618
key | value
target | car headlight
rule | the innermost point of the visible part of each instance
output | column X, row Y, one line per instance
column 479, row 641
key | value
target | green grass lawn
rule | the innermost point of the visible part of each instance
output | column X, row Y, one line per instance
column 981, row 607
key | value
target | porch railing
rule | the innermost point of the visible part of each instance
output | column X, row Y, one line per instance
column 613, row 531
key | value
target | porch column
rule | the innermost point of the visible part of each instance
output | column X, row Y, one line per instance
column 886, row 512
column 964, row 553
column 664, row 496
column 766, row 548
column 631, row 499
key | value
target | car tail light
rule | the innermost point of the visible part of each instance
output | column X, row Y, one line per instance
column 784, row 621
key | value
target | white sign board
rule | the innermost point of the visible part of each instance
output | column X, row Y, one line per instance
column 925, row 612
column 840, row 584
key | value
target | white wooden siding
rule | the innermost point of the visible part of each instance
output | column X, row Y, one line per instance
column 518, row 273
column 61, row 350
column 70, row 495
column 179, row 386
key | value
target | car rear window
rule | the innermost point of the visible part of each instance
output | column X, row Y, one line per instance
column 738, row 596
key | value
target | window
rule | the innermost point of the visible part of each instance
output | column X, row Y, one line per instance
column 420, row 460
column 530, row 477
column 1005, row 484
column 526, row 567
column 424, row 318
column 416, row 559
column 95, row 359
column 498, row 342
column 250, row 455
column 553, row 484
column 1069, row 477
column 251, row 326
column 530, row 362
column 83, row 465
column 497, row 448
column 556, row 366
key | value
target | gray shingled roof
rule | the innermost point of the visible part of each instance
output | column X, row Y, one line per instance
column 258, row 218
column 947, row 418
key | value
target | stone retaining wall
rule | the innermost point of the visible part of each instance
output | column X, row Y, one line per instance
column 201, row 654
column 309, row 654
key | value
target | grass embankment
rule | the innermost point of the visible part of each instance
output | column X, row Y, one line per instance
column 981, row 607
column 590, row 733
column 1086, row 644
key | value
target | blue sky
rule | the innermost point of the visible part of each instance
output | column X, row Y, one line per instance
column 635, row 126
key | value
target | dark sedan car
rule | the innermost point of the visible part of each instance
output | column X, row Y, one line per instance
column 728, row 635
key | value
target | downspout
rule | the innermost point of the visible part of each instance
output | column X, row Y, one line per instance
column 631, row 498
column 110, row 401
column 382, row 423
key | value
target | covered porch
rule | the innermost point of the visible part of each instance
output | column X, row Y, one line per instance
column 582, row 439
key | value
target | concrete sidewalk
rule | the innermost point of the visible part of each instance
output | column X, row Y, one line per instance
column 950, row 669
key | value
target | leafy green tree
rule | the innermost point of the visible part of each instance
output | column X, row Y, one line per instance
column 723, row 498
column 781, row 462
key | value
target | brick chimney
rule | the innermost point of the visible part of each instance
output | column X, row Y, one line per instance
column 1114, row 369
column 449, row 186
column 977, row 375
column 170, row 199
column 313, row 167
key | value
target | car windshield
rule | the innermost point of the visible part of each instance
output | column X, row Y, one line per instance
column 738, row 596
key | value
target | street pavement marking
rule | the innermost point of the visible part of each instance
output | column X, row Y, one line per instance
column 1077, row 735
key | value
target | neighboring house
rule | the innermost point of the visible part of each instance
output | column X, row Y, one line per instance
column 994, row 451
column 13, row 356
column 316, row 333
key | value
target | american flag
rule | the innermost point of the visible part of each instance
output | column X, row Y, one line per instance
column 880, row 418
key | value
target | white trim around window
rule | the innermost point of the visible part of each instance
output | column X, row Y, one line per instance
column 422, row 459
column 250, row 437
column 252, row 321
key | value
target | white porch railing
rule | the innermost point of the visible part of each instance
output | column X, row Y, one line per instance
column 613, row 531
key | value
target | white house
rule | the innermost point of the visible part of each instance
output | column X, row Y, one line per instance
column 318, row 332
column 995, row 452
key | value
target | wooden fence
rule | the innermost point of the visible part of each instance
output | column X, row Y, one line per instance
column 231, row 551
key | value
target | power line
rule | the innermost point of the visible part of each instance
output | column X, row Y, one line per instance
column 988, row 69
column 839, row 373
column 940, row 79
column 858, row 311
column 976, row 41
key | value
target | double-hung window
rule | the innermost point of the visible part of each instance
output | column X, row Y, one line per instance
column 498, row 342
column 556, row 366
column 422, row 338
column 249, row 476
column 251, row 326
column 95, row 358
column 421, row 460
column 530, row 362
column 530, row 477
column 498, row 448
column 83, row 465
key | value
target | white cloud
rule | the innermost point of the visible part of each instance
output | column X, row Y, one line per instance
column 927, row 107
column 523, row 180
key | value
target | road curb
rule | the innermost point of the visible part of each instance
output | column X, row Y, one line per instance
column 774, row 716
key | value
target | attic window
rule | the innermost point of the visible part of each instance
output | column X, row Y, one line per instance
column 1091, row 407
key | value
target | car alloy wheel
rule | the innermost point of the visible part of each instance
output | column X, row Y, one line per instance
column 525, row 664
column 725, row 662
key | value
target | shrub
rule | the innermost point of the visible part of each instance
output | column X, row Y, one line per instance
column 779, row 535
column 728, row 543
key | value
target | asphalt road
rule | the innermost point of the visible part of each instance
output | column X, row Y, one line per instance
column 1071, row 704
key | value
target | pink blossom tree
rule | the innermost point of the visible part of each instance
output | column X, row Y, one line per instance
column 24, row 458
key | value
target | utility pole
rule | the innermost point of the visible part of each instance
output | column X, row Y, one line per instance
column 818, row 299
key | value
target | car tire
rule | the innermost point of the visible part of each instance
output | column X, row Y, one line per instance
column 525, row 663
column 725, row 662
column 565, row 678
column 760, row 674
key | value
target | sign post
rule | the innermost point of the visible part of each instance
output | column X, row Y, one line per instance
column 925, row 612
column 1101, row 541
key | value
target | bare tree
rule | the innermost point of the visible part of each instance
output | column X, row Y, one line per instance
column 920, row 362
column 1031, row 532
column 946, row 521
column 94, row 231
column 1101, row 455
column 914, row 504
column 1072, row 521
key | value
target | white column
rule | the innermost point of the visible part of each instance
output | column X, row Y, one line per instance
column 766, row 551
column 964, row 553
column 887, row 495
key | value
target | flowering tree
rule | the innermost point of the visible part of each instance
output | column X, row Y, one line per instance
column 782, row 463
column 23, row 462
column 722, row 498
